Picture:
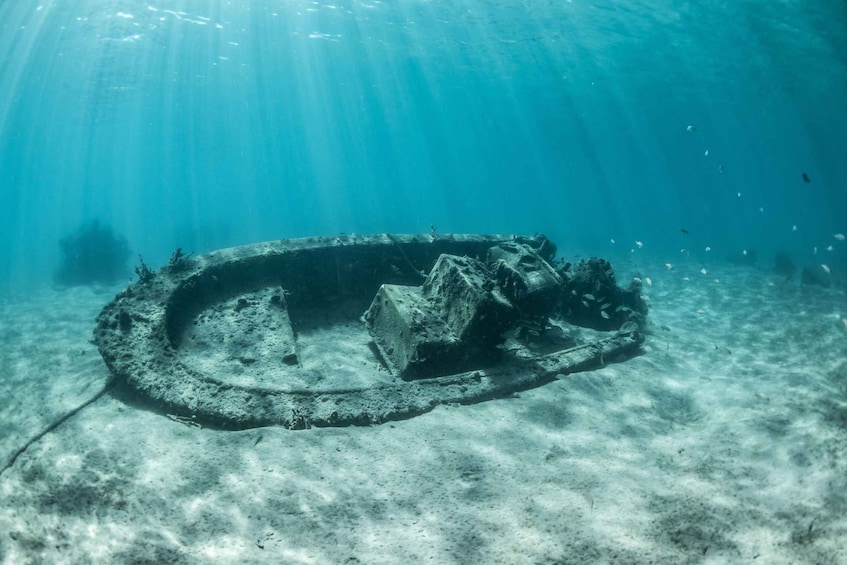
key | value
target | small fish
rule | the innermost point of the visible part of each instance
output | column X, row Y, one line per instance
column 829, row 248
column 839, row 236
column 761, row 209
column 551, row 336
column 684, row 251
column 589, row 297
column 826, row 268
column 636, row 280
column 604, row 314
column 744, row 252
column 703, row 272
column 720, row 169
column 639, row 244
column 612, row 241
column 586, row 304
column 691, row 128
column 844, row 321
column 668, row 266
column 683, row 231
column 806, row 178
column 815, row 252
column 649, row 281
column 794, row 227
column 706, row 154
column 606, row 305
column 708, row 249
column 738, row 194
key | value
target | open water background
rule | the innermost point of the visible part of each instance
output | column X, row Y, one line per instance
column 205, row 124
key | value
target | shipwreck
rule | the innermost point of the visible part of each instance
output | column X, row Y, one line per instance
column 356, row 330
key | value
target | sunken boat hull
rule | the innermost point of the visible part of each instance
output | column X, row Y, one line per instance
column 299, row 332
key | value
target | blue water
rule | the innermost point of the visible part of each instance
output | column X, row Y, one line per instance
column 210, row 124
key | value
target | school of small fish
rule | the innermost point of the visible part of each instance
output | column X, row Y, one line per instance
column 639, row 244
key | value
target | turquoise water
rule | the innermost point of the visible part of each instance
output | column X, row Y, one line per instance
column 205, row 124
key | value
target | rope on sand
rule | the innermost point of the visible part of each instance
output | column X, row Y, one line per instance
column 58, row 422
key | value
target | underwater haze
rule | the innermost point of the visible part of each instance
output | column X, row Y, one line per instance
column 688, row 405
column 207, row 124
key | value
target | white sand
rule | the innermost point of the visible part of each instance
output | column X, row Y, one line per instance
column 725, row 442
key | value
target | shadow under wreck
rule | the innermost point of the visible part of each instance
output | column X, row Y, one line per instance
column 362, row 329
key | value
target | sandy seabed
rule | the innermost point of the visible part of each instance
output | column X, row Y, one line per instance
column 725, row 442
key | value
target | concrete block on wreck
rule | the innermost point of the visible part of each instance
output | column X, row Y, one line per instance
column 453, row 322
